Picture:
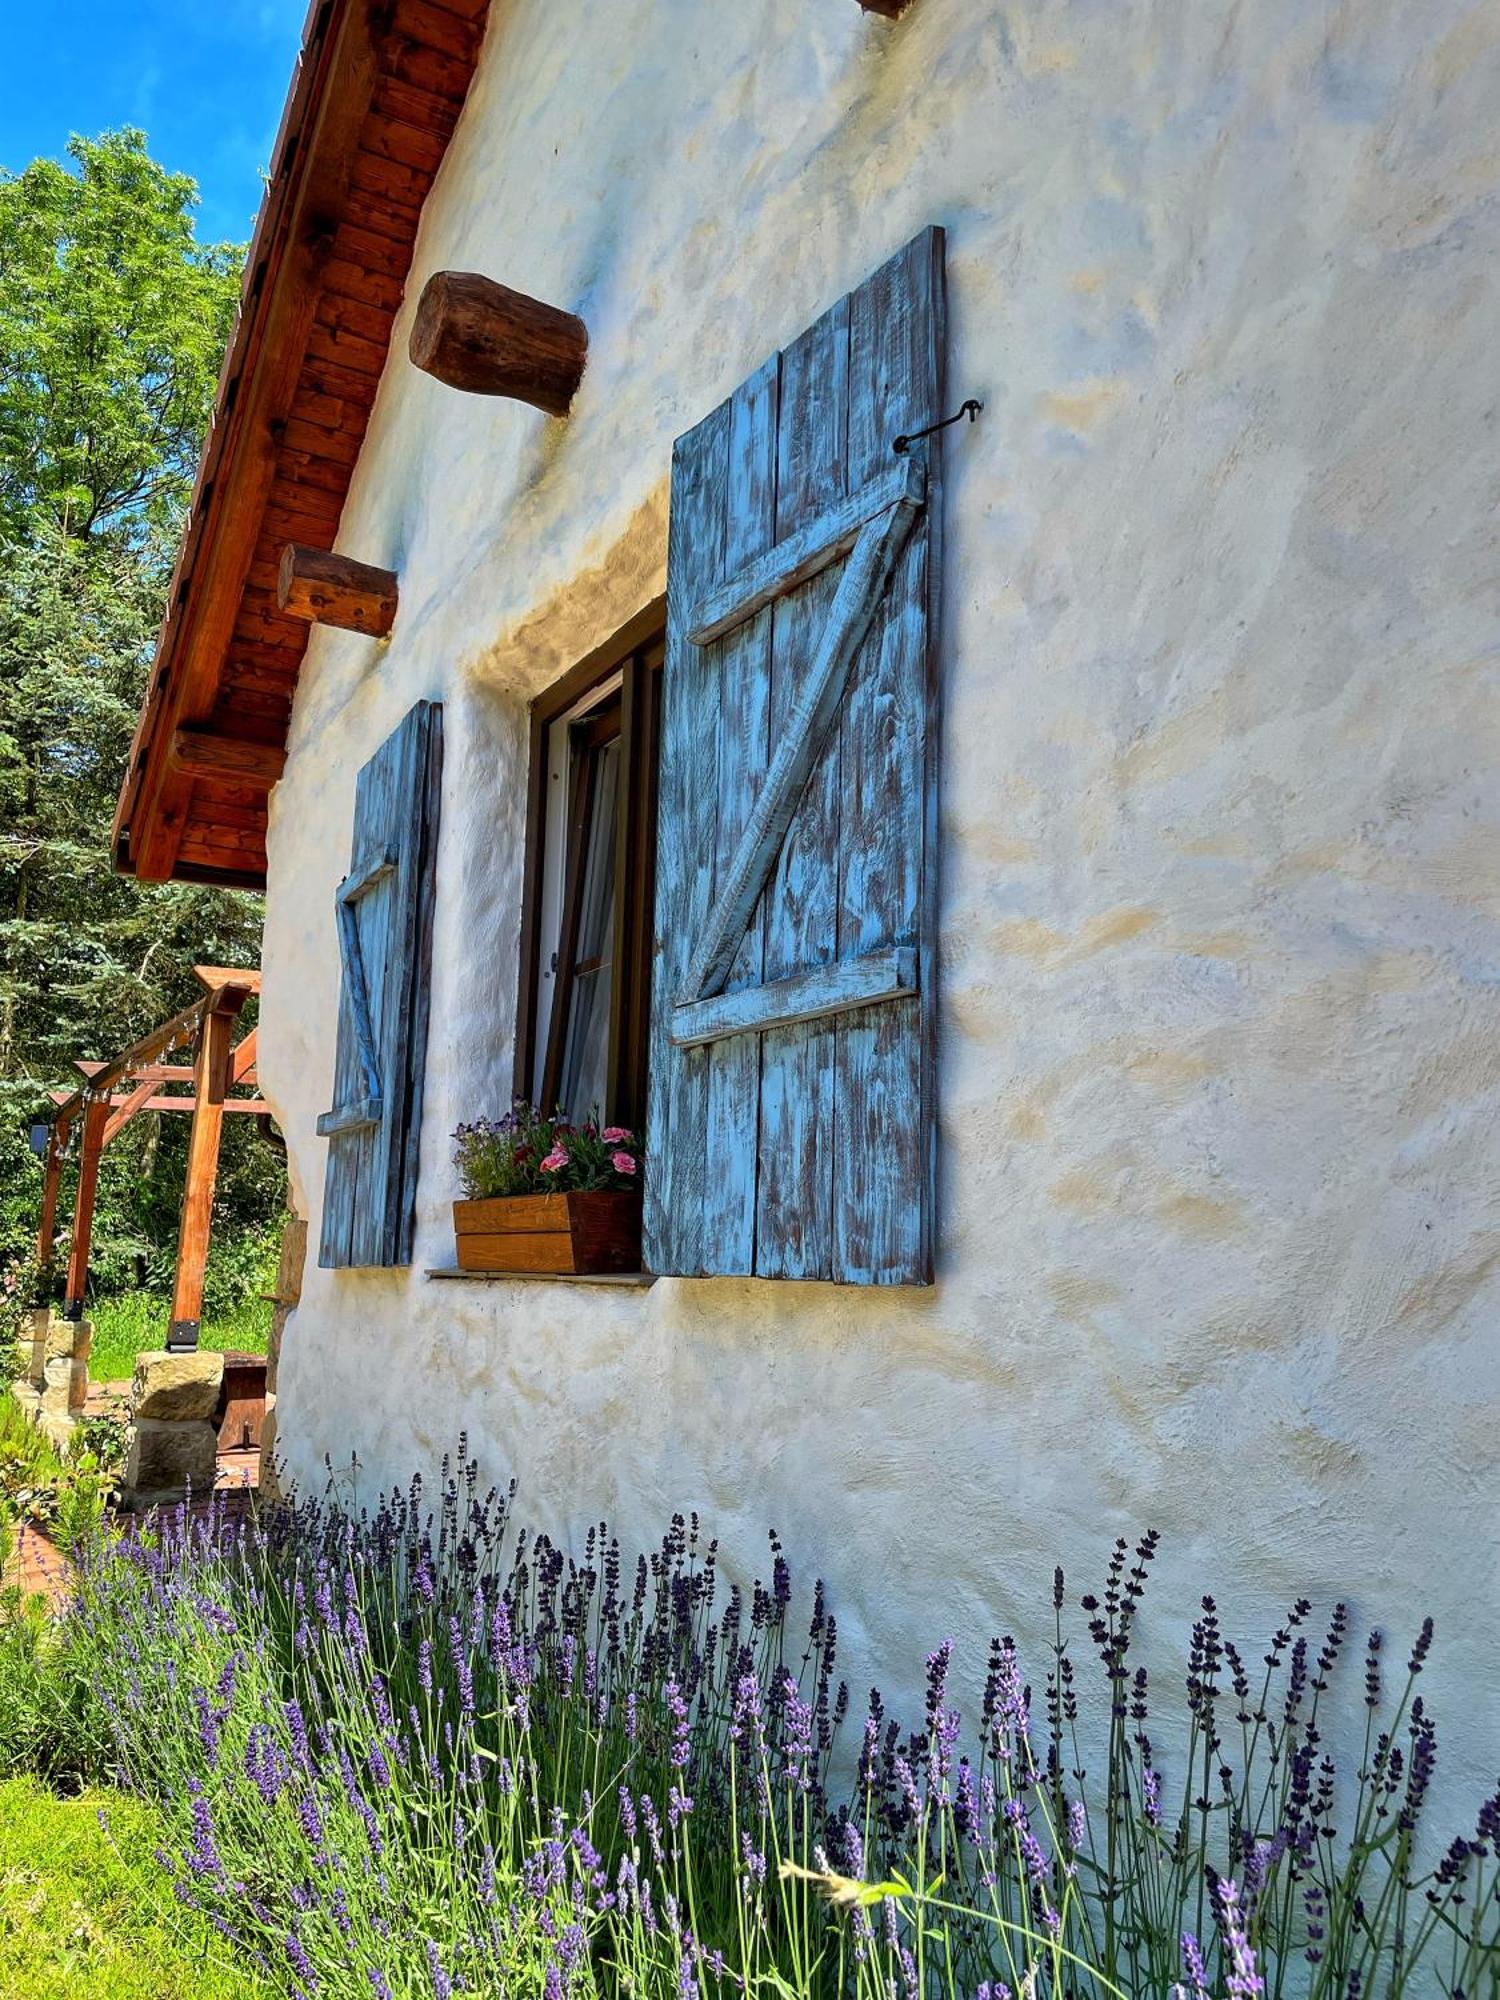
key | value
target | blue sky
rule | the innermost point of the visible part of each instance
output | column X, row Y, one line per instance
column 206, row 78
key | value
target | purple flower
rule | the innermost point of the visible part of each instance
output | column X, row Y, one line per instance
column 300, row 1963
column 1242, row 1980
column 442, row 1985
column 208, row 1726
column 297, row 1729
column 1193, row 1965
column 1151, row 1794
column 203, row 1856
column 1037, row 1867
column 678, row 1711
column 310, row 1819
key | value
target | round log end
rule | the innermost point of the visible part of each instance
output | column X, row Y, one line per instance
column 487, row 340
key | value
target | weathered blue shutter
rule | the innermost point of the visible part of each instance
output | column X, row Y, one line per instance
column 791, row 1126
column 384, row 911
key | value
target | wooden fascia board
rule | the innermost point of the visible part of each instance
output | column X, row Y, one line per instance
column 336, row 81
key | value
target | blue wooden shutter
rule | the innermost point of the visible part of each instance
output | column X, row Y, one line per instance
column 384, row 913
column 791, row 1124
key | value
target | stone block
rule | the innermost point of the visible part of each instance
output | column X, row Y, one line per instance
column 55, row 1339
column 176, row 1388
column 162, row 1459
column 57, row 1385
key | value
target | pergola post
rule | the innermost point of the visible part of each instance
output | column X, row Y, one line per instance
column 95, row 1117
column 46, row 1232
column 211, row 1080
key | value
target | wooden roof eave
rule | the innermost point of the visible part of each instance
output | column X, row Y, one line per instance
column 350, row 49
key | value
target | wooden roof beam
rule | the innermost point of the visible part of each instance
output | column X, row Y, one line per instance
column 203, row 753
column 476, row 335
column 327, row 589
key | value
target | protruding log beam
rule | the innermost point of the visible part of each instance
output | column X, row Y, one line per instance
column 476, row 335
column 203, row 754
column 326, row 589
column 890, row 8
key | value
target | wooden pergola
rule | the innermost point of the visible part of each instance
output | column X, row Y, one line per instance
column 113, row 1093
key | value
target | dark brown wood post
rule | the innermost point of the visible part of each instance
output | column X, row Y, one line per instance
column 890, row 8
column 95, row 1118
column 211, row 1065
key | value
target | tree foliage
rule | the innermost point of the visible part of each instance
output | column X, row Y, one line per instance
column 113, row 321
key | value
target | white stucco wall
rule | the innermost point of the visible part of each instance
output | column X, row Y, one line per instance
column 1221, row 883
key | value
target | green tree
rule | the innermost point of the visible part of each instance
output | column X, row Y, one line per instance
column 113, row 321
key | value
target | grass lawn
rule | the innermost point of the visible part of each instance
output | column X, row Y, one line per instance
column 78, row 1922
column 123, row 1326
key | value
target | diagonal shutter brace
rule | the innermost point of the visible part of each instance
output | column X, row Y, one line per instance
column 878, row 545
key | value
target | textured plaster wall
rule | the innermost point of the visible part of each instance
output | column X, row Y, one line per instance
column 1221, row 883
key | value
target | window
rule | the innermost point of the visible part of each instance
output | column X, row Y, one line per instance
column 585, row 1001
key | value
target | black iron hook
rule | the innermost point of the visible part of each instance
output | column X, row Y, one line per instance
column 907, row 439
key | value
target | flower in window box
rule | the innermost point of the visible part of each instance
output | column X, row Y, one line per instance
column 543, row 1194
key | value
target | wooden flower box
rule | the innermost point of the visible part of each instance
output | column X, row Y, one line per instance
column 574, row 1235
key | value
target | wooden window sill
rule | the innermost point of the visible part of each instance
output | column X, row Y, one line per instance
column 636, row 1280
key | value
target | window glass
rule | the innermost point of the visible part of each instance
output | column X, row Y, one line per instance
column 586, row 972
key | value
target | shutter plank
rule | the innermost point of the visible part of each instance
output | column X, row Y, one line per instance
column 369, row 1203
column 883, row 1056
column 794, row 1219
column 742, row 664
column 372, row 912
column 411, row 1048
column 677, row 1113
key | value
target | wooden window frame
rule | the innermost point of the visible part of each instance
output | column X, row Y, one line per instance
column 635, row 655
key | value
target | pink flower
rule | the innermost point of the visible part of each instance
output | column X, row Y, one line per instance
column 614, row 1135
column 622, row 1163
column 555, row 1160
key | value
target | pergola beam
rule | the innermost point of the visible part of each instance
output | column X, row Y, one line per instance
column 218, row 1066
column 255, row 1107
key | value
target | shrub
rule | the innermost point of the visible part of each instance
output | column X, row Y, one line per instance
column 525, row 1153
column 415, row 1754
column 65, row 1492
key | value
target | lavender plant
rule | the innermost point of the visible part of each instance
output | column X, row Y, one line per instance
column 424, row 1753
